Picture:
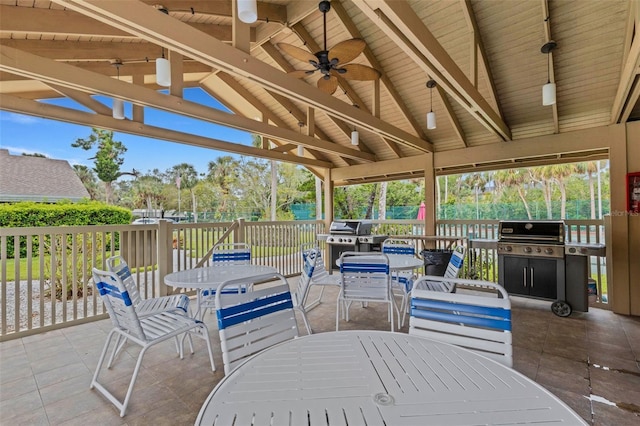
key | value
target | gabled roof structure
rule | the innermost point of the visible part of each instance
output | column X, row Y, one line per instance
column 485, row 57
column 28, row 178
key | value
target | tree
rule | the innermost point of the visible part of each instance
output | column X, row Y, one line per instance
column 543, row 176
column 560, row 173
column 34, row 154
column 382, row 201
column 148, row 190
column 188, row 177
column 223, row 172
column 88, row 179
column 108, row 158
column 511, row 178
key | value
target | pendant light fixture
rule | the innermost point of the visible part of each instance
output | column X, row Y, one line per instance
column 355, row 137
column 163, row 66
column 431, row 116
column 117, row 111
column 549, row 89
column 300, row 147
column 247, row 11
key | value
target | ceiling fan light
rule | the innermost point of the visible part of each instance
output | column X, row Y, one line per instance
column 300, row 151
column 248, row 11
column 163, row 72
column 549, row 94
column 431, row 120
column 118, row 109
column 355, row 138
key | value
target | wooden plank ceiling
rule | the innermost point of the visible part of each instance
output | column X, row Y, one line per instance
column 484, row 55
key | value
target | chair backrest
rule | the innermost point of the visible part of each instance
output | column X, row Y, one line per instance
column 231, row 253
column 118, row 302
column 318, row 270
column 117, row 265
column 398, row 246
column 309, row 257
column 455, row 263
column 252, row 321
column 365, row 276
column 476, row 320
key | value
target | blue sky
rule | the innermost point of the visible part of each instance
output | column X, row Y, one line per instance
column 27, row 134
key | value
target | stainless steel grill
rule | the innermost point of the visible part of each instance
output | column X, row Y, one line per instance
column 351, row 235
column 535, row 261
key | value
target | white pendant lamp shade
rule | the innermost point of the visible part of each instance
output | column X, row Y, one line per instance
column 248, row 11
column 549, row 94
column 431, row 120
column 118, row 109
column 355, row 137
column 300, row 151
column 163, row 72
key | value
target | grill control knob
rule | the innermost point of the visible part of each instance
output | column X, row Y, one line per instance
column 538, row 250
column 572, row 250
column 548, row 250
column 509, row 248
column 527, row 250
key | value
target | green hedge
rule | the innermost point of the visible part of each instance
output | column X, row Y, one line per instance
column 26, row 214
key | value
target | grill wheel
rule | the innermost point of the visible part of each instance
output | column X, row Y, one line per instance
column 561, row 308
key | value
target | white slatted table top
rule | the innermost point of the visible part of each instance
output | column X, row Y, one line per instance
column 213, row 276
column 378, row 378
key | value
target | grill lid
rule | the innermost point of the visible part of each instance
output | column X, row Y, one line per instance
column 533, row 231
column 350, row 227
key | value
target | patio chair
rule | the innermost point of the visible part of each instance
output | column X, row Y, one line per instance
column 144, row 331
column 401, row 281
column 313, row 266
column 178, row 303
column 224, row 253
column 249, row 322
column 364, row 277
column 477, row 318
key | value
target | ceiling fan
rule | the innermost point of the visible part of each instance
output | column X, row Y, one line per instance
column 332, row 63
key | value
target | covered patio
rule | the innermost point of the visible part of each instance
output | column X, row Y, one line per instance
column 588, row 360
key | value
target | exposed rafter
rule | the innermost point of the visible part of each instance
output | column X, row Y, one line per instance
column 158, row 28
column 18, row 62
column 403, row 26
column 627, row 95
column 25, row 106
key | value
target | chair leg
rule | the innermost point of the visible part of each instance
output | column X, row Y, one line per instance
column 304, row 319
column 338, row 311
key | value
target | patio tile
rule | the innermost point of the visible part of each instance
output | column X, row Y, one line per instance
column 20, row 405
column 617, row 387
column 606, row 415
column 65, row 388
column 566, row 365
column 60, row 374
column 562, row 380
column 73, row 406
column 578, row 402
column 18, row 387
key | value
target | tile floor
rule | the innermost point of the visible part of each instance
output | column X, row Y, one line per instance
column 590, row 360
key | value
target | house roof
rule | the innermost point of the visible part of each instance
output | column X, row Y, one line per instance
column 27, row 178
column 485, row 57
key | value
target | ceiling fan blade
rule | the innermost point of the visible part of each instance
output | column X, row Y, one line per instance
column 298, row 53
column 359, row 72
column 348, row 50
column 300, row 73
column 328, row 85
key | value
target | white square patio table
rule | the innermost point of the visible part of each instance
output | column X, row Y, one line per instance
column 378, row 378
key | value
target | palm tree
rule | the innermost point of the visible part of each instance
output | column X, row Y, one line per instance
column 560, row 174
column 382, row 201
column 88, row 179
column 590, row 169
column 543, row 176
column 517, row 178
column 223, row 172
column 188, row 178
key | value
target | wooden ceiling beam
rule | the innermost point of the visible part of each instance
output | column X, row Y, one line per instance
column 222, row 8
column 83, row 99
column 48, row 71
column 374, row 63
column 134, row 17
column 54, row 112
column 624, row 101
column 32, row 20
column 402, row 25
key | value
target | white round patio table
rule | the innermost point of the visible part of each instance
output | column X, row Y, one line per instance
column 378, row 378
column 398, row 262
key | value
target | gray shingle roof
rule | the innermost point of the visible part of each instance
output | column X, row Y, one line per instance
column 26, row 178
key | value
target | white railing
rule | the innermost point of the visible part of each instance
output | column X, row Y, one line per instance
column 45, row 272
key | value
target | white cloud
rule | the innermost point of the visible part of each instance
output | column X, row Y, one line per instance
column 19, row 118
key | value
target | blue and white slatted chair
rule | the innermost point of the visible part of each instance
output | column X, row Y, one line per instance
column 223, row 254
column 313, row 266
column 476, row 320
column 402, row 281
column 252, row 321
column 177, row 302
column 364, row 277
column 144, row 331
